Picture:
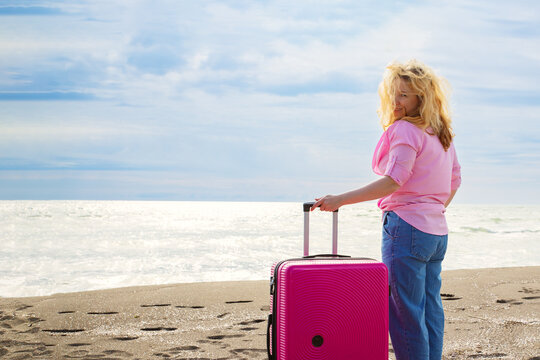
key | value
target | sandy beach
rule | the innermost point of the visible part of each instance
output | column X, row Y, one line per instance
column 490, row 314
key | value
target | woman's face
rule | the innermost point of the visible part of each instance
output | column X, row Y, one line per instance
column 407, row 102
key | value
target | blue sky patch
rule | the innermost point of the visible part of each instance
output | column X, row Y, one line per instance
column 46, row 96
column 29, row 10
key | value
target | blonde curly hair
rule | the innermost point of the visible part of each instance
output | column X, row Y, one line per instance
column 432, row 92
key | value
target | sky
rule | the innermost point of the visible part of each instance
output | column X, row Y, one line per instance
column 254, row 100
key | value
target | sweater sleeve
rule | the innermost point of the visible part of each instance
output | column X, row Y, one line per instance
column 456, row 172
column 404, row 144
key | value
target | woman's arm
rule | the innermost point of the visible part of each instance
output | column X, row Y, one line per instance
column 375, row 190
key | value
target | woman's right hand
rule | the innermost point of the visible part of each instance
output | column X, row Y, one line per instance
column 328, row 203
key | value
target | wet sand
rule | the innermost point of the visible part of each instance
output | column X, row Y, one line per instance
column 490, row 314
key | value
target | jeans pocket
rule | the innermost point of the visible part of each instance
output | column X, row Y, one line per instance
column 423, row 245
column 391, row 224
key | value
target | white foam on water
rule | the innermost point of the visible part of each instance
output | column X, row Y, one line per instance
column 63, row 246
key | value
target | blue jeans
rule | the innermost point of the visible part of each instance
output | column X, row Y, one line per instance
column 414, row 261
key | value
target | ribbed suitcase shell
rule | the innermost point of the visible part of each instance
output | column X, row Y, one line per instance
column 333, row 309
column 328, row 306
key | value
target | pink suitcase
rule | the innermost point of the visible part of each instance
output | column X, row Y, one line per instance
column 328, row 306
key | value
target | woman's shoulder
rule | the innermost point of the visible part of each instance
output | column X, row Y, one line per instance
column 403, row 132
column 402, row 129
column 404, row 125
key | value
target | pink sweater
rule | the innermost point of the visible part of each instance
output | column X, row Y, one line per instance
column 425, row 172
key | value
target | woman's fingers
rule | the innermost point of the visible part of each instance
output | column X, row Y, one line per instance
column 322, row 203
column 317, row 203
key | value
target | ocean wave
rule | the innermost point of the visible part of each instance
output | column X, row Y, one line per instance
column 526, row 231
column 477, row 230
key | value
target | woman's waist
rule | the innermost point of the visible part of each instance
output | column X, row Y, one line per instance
column 412, row 201
column 427, row 217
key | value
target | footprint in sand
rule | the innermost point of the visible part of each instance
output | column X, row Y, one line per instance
column 79, row 344
column 185, row 348
column 159, row 328
column 531, row 298
column 155, row 305
column 125, row 338
column 221, row 337
column 247, row 351
column 529, row 290
column 239, row 302
column 102, row 313
column 220, row 316
column 33, row 330
column 252, row 322
column 449, row 297
column 117, row 353
column 67, row 312
column 163, row 355
column 85, row 354
column 189, row 307
column 487, row 356
column 63, row 331
column 177, row 350
column 78, row 354
column 509, row 301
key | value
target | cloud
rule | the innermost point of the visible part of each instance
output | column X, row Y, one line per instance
column 242, row 91
column 262, row 48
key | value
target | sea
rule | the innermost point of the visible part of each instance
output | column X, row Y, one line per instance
column 49, row 247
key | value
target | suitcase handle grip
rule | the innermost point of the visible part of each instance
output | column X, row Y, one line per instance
column 326, row 255
column 307, row 206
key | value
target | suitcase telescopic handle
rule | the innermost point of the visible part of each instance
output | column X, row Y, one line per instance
column 307, row 208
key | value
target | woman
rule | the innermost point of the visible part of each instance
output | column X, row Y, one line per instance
column 420, row 176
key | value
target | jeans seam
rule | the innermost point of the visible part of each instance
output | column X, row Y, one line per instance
column 398, row 301
column 396, row 231
column 414, row 240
